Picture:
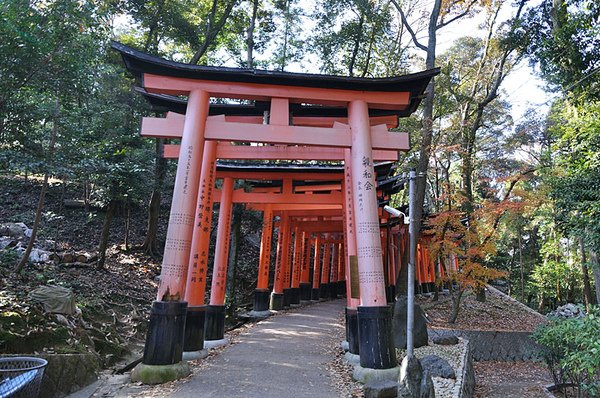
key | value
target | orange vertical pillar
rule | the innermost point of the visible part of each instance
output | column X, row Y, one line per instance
column 261, row 294
column 286, row 264
column 167, row 351
column 305, row 292
column 351, row 261
column 341, row 280
column 374, row 316
column 333, row 279
column 325, row 269
column 215, row 312
column 198, row 261
column 316, row 269
column 297, row 267
column 282, row 253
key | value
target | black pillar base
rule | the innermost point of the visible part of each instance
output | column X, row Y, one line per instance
column 287, row 297
column 376, row 345
column 333, row 290
column 193, row 339
column 214, row 328
column 305, row 290
column 261, row 300
column 295, row 295
column 431, row 287
column 276, row 301
column 390, row 294
column 341, row 288
column 352, row 330
column 164, row 339
column 324, row 291
column 315, row 296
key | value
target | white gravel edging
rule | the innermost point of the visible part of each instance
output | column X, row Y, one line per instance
column 457, row 357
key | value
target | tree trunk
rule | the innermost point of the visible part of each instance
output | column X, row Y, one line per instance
column 104, row 236
column 127, row 223
column 596, row 273
column 212, row 29
column 250, row 36
column 480, row 294
column 427, row 122
column 150, row 245
column 236, row 224
column 521, row 266
column 402, row 276
column 455, row 305
column 587, row 289
column 36, row 225
column 42, row 198
column 357, row 41
column 541, row 304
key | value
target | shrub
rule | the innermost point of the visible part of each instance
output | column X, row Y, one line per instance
column 572, row 352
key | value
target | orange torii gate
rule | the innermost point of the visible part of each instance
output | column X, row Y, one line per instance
column 350, row 115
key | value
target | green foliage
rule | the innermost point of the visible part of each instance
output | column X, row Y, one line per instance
column 359, row 38
column 8, row 258
column 563, row 37
column 575, row 184
column 572, row 351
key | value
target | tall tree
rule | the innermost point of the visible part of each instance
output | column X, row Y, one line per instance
column 359, row 38
column 442, row 14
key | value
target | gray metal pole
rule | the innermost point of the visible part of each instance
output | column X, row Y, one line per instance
column 412, row 233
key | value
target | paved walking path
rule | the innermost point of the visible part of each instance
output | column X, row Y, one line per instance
column 283, row 356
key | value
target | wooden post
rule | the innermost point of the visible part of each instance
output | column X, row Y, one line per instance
column 198, row 261
column 261, row 294
column 374, row 316
column 305, row 286
column 277, row 294
column 215, row 312
column 316, row 269
column 297, row 265
column 164, row 338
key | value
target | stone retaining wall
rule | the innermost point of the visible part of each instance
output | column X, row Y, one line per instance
column 490, row 345
column 66, row 373
column 467, row 376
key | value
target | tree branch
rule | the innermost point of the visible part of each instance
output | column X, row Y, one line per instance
column 459, row 16
column 408, row 28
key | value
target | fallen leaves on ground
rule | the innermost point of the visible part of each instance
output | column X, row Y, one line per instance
column 510, row 379
column 498, row 312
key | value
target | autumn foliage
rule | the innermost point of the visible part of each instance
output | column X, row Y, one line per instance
column 461, row 236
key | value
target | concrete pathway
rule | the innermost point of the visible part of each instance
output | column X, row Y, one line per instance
column 283, row 356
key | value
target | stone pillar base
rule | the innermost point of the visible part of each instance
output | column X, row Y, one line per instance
column 158, row 374
column 365, row 375
column 354, row 359
column 215, row 343
column 195, row 355
column 258, row 315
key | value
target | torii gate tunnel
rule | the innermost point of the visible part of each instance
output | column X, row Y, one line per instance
column 333, row 239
